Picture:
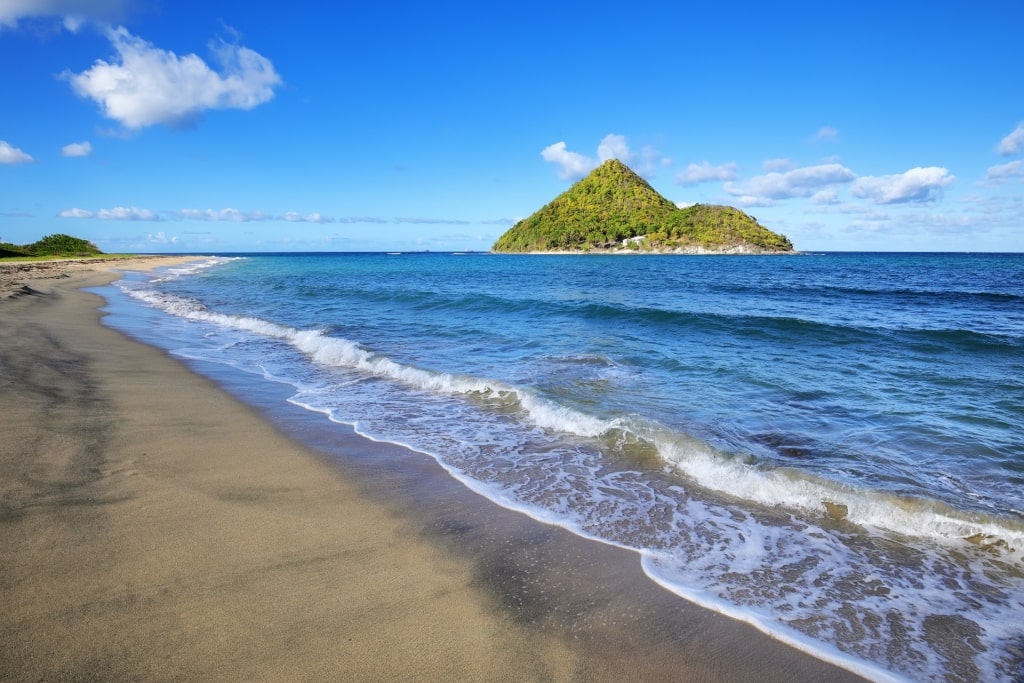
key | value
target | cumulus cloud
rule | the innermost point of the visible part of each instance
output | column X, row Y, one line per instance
column 800, row 182
column 916, row 185
column 704, row 172
column 77, row 149
column 72, row 12
column 1012, row 143
column 228, row 215
column 127, row 213
column 75, row 213
column 570, row 164
column 573, row 165
column 145, row 85
column 12, row 155
column 294, row 217
column 118, row 213
column 1002, row 172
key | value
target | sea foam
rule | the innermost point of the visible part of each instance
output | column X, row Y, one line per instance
column 700, row 462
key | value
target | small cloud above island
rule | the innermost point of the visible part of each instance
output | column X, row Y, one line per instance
column 573, row 165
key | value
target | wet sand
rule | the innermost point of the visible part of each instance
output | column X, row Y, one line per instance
column 153, row 527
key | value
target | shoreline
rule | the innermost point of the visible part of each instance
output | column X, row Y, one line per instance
column 155, row 526
column 16, row 275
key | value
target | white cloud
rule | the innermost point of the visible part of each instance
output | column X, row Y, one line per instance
column 127, row 213
column 229, row 215
column 800, row 182
column 72, row 12
column 705, row 172
column 573, row 165
column 614, row 146
column 293, row 217
column 1001, row 172
column 752, row 201
column 77, row 149
column 825, row 133
column 1014, row 142
column 916, row 185
column 12, row 155
column 145, row 85
column 161, row 238
column 570, row 164
column 75, row 213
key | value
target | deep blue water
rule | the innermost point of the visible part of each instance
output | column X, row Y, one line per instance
column 828, row 446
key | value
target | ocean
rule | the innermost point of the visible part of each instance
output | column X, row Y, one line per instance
column 827, row 446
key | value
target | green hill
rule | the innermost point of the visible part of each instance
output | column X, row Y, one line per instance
column 52, row 245
column 614, row 204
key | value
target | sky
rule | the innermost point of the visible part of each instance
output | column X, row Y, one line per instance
column 212, row 126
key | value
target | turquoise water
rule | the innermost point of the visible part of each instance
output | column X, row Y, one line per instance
column 827, row 446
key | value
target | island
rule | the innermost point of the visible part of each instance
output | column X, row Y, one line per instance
column 615, row 210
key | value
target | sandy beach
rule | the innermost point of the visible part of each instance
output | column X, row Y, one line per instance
column 153, row 527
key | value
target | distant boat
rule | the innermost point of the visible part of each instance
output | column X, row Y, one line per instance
column 394, row 253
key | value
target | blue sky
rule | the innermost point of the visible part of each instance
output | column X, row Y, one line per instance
column 223, row 126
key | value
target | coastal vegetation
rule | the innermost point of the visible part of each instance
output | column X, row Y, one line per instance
column 51, row 246
column 614, row 209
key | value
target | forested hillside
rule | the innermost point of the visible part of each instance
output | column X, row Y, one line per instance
column 614, row 204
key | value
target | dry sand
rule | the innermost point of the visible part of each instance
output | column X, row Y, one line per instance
column 152, row 527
